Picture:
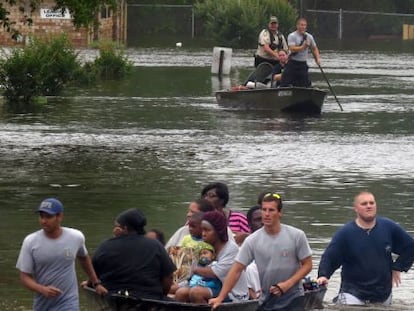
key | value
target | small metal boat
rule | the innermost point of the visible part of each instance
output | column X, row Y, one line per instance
column 123, row 302
column 257, row 94
column 283, row 99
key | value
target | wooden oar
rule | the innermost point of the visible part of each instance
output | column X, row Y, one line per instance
column 327, row 81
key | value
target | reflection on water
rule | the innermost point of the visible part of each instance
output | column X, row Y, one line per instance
column 154, row 140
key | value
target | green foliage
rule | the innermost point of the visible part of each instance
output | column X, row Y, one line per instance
column 238, row 23
column 111, row 63
column 170, row 2
column 9, row 25
column 42, row 68
column 84, row 12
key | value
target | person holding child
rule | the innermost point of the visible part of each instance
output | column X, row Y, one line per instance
column 214, row 226
column 205, row 256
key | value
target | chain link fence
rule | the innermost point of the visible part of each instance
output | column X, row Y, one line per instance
column 344, row 24
column 161, row 22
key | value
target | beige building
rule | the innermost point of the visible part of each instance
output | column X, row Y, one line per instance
column 48, row 22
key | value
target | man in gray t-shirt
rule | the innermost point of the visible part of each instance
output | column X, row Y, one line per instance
column 299, row 42
column 283, row 258
column 47, row 261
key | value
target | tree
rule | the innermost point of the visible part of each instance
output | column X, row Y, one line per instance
column 84, row 11
column 237, row 23
column 4, row 17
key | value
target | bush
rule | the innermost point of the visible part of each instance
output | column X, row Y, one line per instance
column 238, row 23
column 111, row 62
column 42, row 68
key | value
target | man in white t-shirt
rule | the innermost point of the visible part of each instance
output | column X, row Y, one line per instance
column 296, row 69
column 283, row 258
column 47, row 261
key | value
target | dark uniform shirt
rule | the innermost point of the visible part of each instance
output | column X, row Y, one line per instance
column 134, row 263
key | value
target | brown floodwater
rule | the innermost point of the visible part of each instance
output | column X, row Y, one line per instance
column 153, row 140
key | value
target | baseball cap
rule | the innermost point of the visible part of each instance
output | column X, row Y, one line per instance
column 273, row 19
column 51, row 206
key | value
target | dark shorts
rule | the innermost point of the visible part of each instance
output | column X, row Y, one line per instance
column 295, row 74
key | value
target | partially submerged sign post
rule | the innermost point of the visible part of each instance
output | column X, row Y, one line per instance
column 221, row 61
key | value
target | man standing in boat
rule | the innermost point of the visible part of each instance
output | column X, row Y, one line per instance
column 364, row 248
column 283, row 258
column 269, row 43
column 299, row 42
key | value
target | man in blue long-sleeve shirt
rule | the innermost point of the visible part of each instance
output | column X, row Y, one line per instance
column 364, row 249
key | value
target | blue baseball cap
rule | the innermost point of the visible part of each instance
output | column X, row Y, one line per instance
column 51, row 206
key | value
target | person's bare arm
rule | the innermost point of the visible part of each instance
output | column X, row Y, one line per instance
column 322, row 280
column 298, row 48
column 315, row 52
column 270, row 52
column 29, row 282
column 205, row 272
column 86, row 264
column 231, row 280
column 277, row 77
column 396, row 278
column 282, row 287
column 166, row 283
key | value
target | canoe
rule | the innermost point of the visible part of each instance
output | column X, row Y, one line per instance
column 284, row 99
column 121, row 302
column 118, row 302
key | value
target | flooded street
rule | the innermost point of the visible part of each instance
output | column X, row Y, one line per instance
column 152, row 141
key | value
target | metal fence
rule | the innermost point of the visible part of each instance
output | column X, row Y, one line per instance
column 160, row 21
column 357, row 24
column 170, row 23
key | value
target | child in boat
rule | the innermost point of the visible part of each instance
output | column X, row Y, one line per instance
column 188, row 245
column 194, row 227
column 210, row 286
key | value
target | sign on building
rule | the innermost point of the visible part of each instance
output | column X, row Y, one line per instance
column 55, row 14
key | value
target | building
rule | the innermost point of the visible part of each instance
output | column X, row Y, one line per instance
column 48, row 22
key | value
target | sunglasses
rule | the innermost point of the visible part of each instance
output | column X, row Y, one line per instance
column 274, row 195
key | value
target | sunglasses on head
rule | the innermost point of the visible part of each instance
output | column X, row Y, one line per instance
column 274, row 195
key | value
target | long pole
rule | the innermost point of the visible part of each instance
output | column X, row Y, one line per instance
column 327, row 81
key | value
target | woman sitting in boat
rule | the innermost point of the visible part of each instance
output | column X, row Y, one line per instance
column 214, row 226
column 131, row 263
column 218, row 194
column 205, row 256
column 278, row 68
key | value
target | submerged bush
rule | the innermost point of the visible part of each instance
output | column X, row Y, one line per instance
column 42, row 68
column 238, row 23
column 111, row 63
column 46, row 66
